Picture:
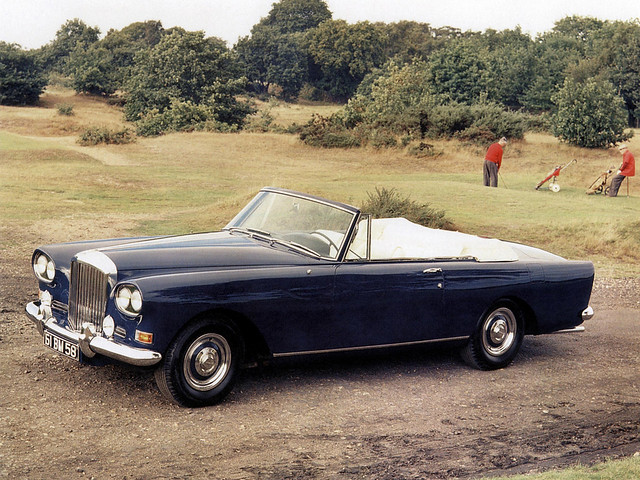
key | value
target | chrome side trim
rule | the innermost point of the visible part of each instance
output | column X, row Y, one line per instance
column 90, row 344
column 369, row 347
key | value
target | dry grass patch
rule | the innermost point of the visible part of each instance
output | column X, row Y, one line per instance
column 45, row 120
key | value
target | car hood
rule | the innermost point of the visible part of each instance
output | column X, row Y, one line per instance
column 200, row 251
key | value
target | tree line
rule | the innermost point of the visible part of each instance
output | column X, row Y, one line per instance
column 581, row 80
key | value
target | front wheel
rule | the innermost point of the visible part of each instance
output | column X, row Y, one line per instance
column 497, row 339
column 201, row 364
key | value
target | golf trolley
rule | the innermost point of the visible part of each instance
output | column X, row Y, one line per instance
column 554, row 186
column 600, row 183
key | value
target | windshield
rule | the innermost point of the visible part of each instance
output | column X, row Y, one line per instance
column 310, row 225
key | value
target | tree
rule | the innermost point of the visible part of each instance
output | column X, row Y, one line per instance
column 104, row 67
column 408, row 40
column 400, row 100
column 589, row 114
column 511, row 61
column 273, row 58
column 22, row 81
column 184, row 81
column 294, row 16
column 624, row 66
column 554, row 54
column 461, row 72
column 72, row 35
column 275, row 53
column 93, row 71
column 343, row 54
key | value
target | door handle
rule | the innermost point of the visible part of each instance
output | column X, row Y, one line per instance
column 432, row 270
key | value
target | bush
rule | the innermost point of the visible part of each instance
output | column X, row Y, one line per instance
column 97, row 135
column 65, row 109
column 389, row 204
column 589, row 114
column 22, row 81
column 328, row 132
column 182, row 116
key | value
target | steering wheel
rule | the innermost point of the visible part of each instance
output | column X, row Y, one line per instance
column 326, row 237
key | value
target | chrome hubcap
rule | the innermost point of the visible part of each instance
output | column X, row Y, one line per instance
column 207, row 362
column 499, row 332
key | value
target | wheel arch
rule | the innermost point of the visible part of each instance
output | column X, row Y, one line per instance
column 529, row 316
column 255, row 346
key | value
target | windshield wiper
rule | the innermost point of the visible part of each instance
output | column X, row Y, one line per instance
column 252, row 232
column 295, row 246
column 259, row 232
column 264, row 235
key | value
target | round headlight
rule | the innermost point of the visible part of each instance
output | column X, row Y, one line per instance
column 44, row 268
column 123, row 299
column 129, row 299
column 136, row 300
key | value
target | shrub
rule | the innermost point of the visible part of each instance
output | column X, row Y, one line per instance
column 589, row 114
column 328, row 132
column 97, row 135
column 22, row 80
column 386, row 203
column 65, row 109
column 182, row 116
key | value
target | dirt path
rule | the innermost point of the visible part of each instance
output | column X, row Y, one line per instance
column 414, row 414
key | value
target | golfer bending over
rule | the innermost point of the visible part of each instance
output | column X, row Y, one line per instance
column 492, row 163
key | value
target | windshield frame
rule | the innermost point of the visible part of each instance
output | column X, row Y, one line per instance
column 236, row 224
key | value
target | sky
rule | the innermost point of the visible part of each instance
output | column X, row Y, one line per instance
column 33, row 23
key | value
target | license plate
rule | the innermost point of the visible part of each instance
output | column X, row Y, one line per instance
column 61, row 345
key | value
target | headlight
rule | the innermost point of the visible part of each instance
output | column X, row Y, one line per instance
column 44, row 268
column 129, row 299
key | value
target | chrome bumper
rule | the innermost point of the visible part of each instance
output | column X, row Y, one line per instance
column 587, row 314
column 91, row 344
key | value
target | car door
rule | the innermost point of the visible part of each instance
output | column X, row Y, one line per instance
column 387, row 302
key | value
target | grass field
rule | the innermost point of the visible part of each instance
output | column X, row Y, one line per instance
column 197, row 181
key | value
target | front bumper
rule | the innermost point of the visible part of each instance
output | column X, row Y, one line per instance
column 91, row 344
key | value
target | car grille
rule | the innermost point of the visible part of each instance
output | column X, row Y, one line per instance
column 87, row 295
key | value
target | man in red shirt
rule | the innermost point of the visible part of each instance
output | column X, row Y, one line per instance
column 627, row 169
column 492, row 163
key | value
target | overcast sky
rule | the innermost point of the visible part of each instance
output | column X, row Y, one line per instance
column 33, row 23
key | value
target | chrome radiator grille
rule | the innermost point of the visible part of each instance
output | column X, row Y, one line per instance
column 87, row 295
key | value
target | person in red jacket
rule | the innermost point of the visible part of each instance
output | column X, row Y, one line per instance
column 627, row 169
column 493, row 162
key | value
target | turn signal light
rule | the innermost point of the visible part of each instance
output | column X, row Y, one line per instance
column 144, row 337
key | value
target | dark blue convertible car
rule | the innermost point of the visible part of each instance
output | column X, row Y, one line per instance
column 293, row 274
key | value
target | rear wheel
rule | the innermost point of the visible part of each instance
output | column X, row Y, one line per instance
column 201, row 364
column 497, row 338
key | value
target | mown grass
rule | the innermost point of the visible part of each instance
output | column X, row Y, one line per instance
column 197, row 181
